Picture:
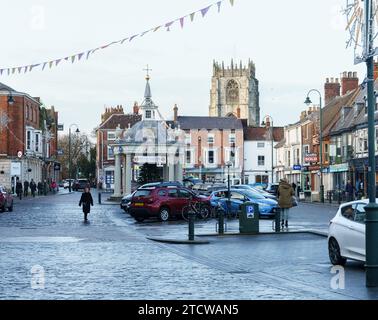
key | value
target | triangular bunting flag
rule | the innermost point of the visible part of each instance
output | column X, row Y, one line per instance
column 25, row 69
column 73, row 59
column 1, row 72
column 66, row 58
column 19, row 69
column 219, row 4
column 8, row 71
column 143, row 33
column 182, row 22
column 168, row 25
column 57, row 61
column 88, row 53
column 30, row 68
column 44, row 65
column 204, row 11
column 80, row 55
column 157, row 28
column 192, row 16
column 13, row 70
column 51, row 63
column 232, row 2
column 124, row 40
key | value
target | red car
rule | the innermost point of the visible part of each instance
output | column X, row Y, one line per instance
column 163, row 202
column 6, row 200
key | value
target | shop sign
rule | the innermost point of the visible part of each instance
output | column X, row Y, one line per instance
column 297, row 167
column 339, row 167
column 311, row 157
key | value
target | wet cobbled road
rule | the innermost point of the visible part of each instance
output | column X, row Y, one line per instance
column 47, row 252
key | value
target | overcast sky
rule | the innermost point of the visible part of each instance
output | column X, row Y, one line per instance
column 295, row 45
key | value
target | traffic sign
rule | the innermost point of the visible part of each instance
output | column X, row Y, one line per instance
column 19, row 154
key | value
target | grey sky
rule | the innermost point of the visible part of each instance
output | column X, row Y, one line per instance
column 295, row 44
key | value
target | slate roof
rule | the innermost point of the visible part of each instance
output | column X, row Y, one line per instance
column 120, row 119
column 189, row 122
column 5, row 87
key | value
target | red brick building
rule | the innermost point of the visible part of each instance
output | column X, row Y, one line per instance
column 27, row 147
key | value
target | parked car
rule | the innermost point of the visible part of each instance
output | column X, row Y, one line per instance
column 207, row 188
column 163, row 202
column 61, row 183
column 80, row 184
column 66, row 183
column 259, row 185
column 161, row 184
column 272, row 188
column 258, row 190
column 346, row 234
column 6, row 200
column 267, row 207
column 126, row 201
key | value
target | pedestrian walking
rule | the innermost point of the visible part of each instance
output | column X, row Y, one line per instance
column 53, row 186
column 40, row 188
column 285, row 200
column 86, row 201
column 349, row 189
column 19, row 188
column 294, row 186
column 26, row 188
column 45, row 187
column 33, row 187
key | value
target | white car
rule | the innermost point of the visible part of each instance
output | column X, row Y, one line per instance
column 67, row 183
column 346, row 235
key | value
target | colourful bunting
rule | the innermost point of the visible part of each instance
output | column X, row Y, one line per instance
column 78, row 56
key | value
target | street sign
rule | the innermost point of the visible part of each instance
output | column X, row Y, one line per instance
column 250, row 212
column 19, row 154
column 57, row 167
column 297, row 167
column 60, row 127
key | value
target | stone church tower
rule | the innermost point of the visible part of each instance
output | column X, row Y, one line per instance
column 235, row 92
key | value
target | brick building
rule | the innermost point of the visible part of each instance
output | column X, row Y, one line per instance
column 27, row 146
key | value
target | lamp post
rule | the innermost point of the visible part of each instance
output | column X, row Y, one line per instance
column 228, row 165
column 308, row 102
column 270, row 118
column 69, row 154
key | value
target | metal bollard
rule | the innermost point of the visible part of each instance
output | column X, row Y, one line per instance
column 99, row 198
column 220, row 221
column 191, row 225
column 339, row 197
column 277, row 227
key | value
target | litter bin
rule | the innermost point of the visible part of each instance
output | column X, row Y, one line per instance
column 249, row 218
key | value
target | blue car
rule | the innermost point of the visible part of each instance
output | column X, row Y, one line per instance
column 268, row 207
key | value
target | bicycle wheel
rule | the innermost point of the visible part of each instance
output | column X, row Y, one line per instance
column 204, row 211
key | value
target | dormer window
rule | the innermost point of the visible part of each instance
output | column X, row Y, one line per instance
column 148, row 114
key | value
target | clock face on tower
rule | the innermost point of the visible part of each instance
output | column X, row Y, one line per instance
column 232, row 92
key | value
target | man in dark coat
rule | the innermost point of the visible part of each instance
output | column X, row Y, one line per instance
column 39, row 187
column 285, row 200
column 349, row 189
column 33, row 187
column 26, row 188
column 87, row 201
column 19, row 189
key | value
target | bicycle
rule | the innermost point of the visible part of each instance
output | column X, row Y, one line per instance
column 201, row 210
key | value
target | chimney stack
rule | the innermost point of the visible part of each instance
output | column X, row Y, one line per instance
column 175, row 113
column 238, row 113
column 135, row 108
column 331, row 89
column 349, row 82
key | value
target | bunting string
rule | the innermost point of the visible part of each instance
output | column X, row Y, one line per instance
column 73, row 58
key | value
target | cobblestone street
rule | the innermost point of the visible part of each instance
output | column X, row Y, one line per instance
column 110, row 257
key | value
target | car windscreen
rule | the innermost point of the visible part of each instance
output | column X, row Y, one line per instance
column 142, row 193
column 253, row 195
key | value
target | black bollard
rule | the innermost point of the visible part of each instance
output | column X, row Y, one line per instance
column 191, row 215
column 277, row 217
column 99, row 198
column 220, row 220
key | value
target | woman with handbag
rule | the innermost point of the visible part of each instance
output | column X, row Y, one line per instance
column 87, row 201
column 285, row 201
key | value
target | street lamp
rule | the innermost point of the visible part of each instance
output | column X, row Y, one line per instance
column 272, row 137
column 308, row 102
column 69, row 153
column 228, row 165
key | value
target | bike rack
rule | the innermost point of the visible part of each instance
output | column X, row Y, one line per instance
column 217, row 227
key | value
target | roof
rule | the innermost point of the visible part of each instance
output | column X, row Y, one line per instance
column 189, row 122
column 280, row 144
column 5, row 87
column 262, row 133
column 124, row 120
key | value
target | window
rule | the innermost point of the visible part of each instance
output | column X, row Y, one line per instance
column 188, row 156
column 232, row 92
column 142, row 193
column 210, row 155
column 261, row 160
column 37, row 142
column 110, row 153
column 188, row 138
column 148, row 114
column 348, row 212
column 360, row 213
column 289, row 158
column 111, row 135
column 28, row 140
column 232, row 138
column 173, row 193
column 210, row 138
column 237, row 196
column 162, row 193
column 185, row 194
column 260, row 145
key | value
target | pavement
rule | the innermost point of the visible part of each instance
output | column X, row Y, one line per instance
column 48, row 252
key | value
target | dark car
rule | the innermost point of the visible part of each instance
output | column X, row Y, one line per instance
column 272, row 188
column 80, row 184
column 6, row 200
column 126, row 201
column 163, row 202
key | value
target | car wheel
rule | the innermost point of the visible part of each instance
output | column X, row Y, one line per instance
column 2, row 209
column 163, row 214
column 139, row 219
column 334, row 253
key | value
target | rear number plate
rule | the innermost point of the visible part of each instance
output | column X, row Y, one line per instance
column 139, row 204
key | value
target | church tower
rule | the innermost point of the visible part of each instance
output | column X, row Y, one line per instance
column 235, row 92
